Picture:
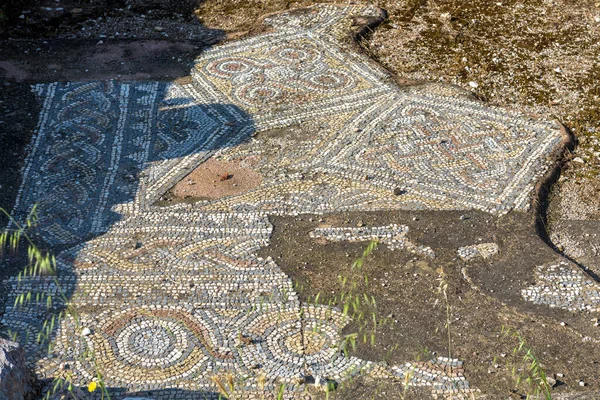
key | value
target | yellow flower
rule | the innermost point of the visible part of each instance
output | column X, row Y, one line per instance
column 92, row 387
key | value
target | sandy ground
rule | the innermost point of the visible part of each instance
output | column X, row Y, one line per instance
column 215, row 179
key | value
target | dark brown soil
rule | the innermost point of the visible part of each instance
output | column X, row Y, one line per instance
column 406, row 288
column 84, row 60
column 84, row 18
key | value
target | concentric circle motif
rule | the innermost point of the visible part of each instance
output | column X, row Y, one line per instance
column 311, row 342
column 329, row 80
column 260, row 93
column 231, row 66
column 154, row 342
column 153, row 346
column 289, row 340
column 296, row 54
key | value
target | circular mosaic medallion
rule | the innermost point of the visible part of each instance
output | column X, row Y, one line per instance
column 231, row 66
column 329, row 80
column 297, row 54
column 154, row 346
column 260, row 93
column 288, row 342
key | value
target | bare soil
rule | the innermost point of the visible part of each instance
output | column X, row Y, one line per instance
column 215, row 179
column 99, row 19
column 406, row 289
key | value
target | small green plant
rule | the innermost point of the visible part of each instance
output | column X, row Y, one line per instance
column 41, row 266
column 281, row 392
column 526, row 368
column 226, row 386
column 357, row 305
column 442, row 291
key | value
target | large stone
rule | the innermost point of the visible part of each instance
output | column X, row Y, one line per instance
column 16, row 381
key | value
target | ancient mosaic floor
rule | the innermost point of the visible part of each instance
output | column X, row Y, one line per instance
column 170, row 296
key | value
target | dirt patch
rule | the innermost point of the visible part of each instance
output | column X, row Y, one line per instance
column 405, row 287
column 579, row 199
column 101, row 19
column 18, row 118
column 579, row 240
column 84, row 60
column 216, row 178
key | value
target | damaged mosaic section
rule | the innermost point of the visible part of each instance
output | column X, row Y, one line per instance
column 420, row 375
column 562, row 285
column 171, row 296
column 482, row 250
column 394, row 236
column 174, row 296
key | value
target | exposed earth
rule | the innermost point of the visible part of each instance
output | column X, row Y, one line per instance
column 203, row 223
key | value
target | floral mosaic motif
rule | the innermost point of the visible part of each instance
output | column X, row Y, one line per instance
column 561, row 284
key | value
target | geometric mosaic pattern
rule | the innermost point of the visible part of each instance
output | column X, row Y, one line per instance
column 171, row 296
column 175, row 296
column 290, row 75
column 443, row 153
column 101, row 144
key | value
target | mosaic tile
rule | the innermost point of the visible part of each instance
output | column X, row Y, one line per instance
column 450, row 381
column 483, row 250
column 100, row 144
column 394, row 236
column 562, row 285
column 169, row 297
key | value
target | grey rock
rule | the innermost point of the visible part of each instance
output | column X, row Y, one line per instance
column 16, row 381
